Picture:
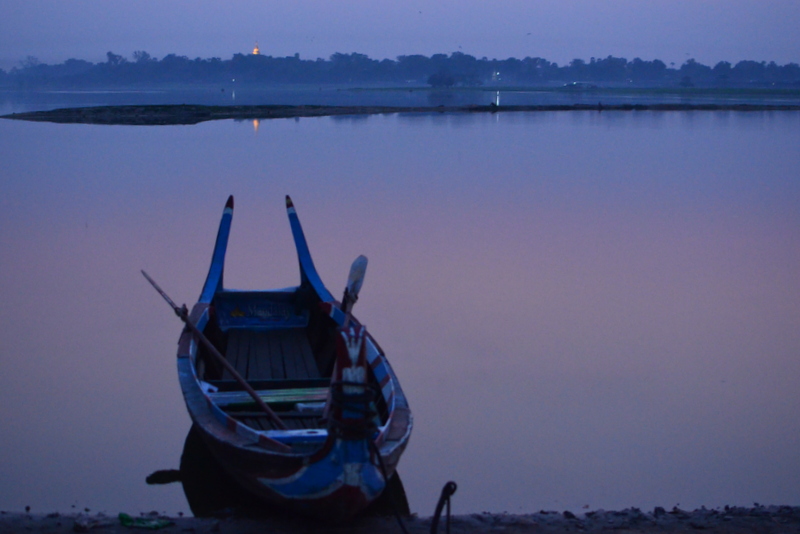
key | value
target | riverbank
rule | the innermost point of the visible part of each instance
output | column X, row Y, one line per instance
column 147, row 115
column 762, row 519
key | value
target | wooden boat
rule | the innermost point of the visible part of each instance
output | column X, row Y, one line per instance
column 325, row 421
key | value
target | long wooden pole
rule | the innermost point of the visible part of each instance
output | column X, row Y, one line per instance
column 183, row 313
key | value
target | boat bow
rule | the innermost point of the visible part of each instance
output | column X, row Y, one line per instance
column 215, row 271
column 308, row 273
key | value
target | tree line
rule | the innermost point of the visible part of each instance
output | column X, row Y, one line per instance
column 457, row 69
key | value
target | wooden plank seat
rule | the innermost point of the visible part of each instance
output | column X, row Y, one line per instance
column 242, row 399
column 280, row 365
column 271, row 354
column 292, row 414
column 281, row 383
column 297, row 408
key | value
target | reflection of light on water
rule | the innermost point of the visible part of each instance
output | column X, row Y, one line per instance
column 255, row 125
column 497, row 99
column 233, row 95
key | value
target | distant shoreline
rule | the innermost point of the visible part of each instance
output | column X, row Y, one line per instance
column 154, row 115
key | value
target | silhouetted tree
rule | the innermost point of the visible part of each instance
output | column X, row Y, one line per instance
column 748, row 71
column 695, row 72
column 441, row 79
column 140, row 56
column 722, row 73
column 647, row 71
column 413, row 68
column 29, row 62
column 608, row 69
column 114, row 59
column 439, row 70
column 578, row 70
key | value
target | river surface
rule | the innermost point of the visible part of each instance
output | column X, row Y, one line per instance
column 333, row 95
column 586, row 310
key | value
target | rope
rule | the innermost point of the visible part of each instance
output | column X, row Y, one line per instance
column 447, row 491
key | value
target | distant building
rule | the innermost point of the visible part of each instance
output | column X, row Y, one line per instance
column 256, row 51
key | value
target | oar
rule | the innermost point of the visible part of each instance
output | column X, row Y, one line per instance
column 354, row 282
column 183, row 313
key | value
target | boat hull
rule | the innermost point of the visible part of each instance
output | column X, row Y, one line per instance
column 335, row 483
column 333, row 468
column 336, row 487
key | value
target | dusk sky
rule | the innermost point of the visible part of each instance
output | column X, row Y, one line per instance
column 558, row 30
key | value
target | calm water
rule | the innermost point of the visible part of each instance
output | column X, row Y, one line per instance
column 584, row 309
column 331, row 95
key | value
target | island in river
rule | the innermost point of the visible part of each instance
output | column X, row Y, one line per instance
column 193, row 114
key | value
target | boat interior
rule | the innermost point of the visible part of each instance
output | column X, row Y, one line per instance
column 284, row 346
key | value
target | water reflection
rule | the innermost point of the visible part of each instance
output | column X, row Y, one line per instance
column 211, row 492
column 584, row 309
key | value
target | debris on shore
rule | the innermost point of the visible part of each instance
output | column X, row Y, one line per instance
column 730, row 519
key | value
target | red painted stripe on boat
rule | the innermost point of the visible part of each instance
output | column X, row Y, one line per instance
column 385, row 380
column 232, row 424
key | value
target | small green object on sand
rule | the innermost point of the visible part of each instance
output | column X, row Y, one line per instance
column 148, row 523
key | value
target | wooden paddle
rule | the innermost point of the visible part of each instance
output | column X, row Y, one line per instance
column 183, row 313
column 354, row 283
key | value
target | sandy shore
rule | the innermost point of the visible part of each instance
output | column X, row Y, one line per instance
column 762, row 519
column 191, row 114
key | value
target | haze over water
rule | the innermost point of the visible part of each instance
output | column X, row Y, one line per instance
column 584, row 309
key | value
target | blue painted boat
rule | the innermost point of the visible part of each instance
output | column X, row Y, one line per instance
column 306, row 411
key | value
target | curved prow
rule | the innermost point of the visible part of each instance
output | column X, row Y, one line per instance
column 214, row 278
column 308, row 273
